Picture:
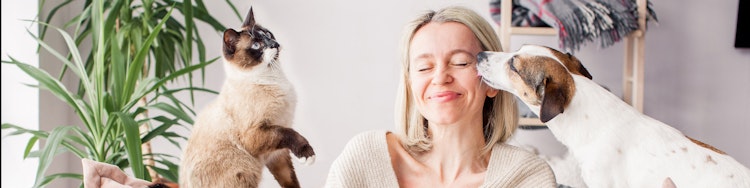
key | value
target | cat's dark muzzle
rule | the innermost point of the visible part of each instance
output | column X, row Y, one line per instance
column 272, row 43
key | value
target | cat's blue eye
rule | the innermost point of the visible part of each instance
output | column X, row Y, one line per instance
column 255, row 46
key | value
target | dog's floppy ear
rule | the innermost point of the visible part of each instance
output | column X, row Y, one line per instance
column 556, row 97
column 555, row 86
column 574, row 66
column 549, row 79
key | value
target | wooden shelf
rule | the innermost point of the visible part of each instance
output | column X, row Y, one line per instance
column 533, row 31
column 632, row 66
column 530, row 122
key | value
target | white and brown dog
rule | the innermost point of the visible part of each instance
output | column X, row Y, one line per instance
column 616, row 145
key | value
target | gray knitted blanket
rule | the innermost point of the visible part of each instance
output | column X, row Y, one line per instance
column 578, row 21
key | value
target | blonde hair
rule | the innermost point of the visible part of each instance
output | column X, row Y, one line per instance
column 499, row 114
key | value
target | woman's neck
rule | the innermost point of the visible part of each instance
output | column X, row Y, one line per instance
column 456, row 150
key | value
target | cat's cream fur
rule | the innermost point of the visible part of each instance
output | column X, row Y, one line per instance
column 248, row 125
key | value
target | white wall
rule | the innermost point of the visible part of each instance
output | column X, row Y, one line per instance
column 20, row 104
column 342, row 56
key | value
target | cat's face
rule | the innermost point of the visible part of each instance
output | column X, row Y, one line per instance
column 251, row 47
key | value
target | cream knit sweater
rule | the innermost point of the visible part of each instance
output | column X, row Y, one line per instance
column 365, row 162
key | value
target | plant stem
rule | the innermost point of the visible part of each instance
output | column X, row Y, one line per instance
column 148, row 159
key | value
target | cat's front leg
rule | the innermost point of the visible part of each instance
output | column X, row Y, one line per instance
column 266, row 138
column 297, row 144
column 280, row 165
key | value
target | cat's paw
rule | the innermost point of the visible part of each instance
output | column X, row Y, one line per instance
column 307, row 161
column 305, row 155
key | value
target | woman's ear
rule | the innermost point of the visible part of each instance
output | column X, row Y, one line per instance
column 491, row 92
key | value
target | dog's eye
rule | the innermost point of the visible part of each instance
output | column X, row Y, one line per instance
column 512, row 65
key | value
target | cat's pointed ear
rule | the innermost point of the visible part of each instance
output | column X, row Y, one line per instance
column 231, row 37
column 250, row 19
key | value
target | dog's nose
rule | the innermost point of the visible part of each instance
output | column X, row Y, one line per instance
column 482, row 56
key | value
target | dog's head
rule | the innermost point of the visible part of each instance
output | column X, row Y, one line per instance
column 540, row 76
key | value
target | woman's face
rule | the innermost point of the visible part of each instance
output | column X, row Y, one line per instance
column 443, row 74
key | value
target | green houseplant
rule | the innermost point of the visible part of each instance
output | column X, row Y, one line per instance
column 136, row 49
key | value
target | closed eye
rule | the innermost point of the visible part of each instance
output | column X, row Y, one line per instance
column 423, row 69
column 462, row 64
column 512, row 65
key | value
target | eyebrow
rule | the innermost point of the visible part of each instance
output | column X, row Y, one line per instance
column 460, row 51
column 451, row 53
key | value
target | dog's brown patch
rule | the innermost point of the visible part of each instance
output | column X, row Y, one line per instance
column 548, row 79
column 706, row 146
column 571, row 63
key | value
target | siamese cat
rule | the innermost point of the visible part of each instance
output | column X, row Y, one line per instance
column 247, row 126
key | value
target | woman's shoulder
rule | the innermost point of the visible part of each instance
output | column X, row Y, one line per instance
column 364, row 146
column 367, row 139
column 364, row 162
column 516, row 152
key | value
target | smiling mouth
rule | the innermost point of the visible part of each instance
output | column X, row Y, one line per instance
column 444, row 96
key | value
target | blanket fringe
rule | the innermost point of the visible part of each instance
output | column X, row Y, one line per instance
column 579, row 22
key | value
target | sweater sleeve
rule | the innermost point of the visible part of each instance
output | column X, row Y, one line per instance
column 333, row 180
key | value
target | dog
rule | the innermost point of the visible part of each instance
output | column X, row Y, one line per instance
column 615, row 144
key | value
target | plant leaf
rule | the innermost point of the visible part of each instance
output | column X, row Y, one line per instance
column 132, row 144
column 172, row 110
column 48, row 152
column 166, row 124
column 58, row 89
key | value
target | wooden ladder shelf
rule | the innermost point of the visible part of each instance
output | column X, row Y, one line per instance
column 632, row 66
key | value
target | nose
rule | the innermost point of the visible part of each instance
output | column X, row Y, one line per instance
column 272, row 43
column 482, row 56
column 442, row 76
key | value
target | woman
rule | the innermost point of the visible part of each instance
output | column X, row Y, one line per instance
column 452, row 126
